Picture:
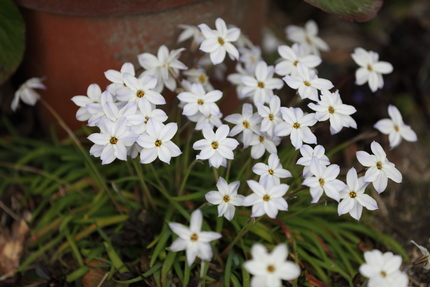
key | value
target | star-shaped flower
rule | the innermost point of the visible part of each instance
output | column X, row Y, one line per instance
column 216, row 146
column 112, row 140
column 218, row 42
column 296, row 124
column 226, row 198
column 380, row 169
column 271, row 115
column 353, row 196
column 199, row 101
column 162, row 66
column 395, row 128
column 272, row 171
column 157, row 142
column 260, row 87
column 308, row 154
column 117, row 77
column 247, row 123
column 425, row 259
column 307, row 36
column 331, row 108
column 269, row 270
column 324, row 181
column 27, row 94
column 383, row 269
column 371, row 69
column 307, row 83
column 290, row 57
column 93, row 98
column 192, row 239
column 266, row 199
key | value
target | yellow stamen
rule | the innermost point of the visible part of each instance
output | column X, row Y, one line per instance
column 140, row 94
column 296, row 126
column 307, row 83
column 261, row 138
column 200, row 102
column 113, row 140
column 214, row 145
column 295, row 63
column 379, row 165
column 260, row 85
column 202, row 79
column 246, row 124
column 226, row 198
column 331, row 110
column 352, row 194
column 157, row 143
column 194, row 237
column 221, row 41
column 271, row 172
column 270, row 269
column 321, row 181
column 396, row 128
column 369, row 67
column 271, row 117
column 266, row 197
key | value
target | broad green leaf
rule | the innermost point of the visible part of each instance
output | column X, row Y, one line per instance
column 12, row 39
column 351, row 10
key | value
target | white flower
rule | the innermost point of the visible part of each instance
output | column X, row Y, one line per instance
column 250, row 57
column 266, row 199
column 117, row 77
column 218, row 41
column 148, row 112
column 156, row 142
column 199, row 101
column 380, row 169
column 189, row 32
column 383, row 269
column 292, row 56
column 262, row 142
column 273, row 171
column 296, row 124
column 260, row 88
column 395, row 128
column 199, row 76
column 93, row 98
column 307, row 36
column 271, row 115
column 140, row 89
column 216, row 146
column 324, row 181
column 213, row 120
column 247, row 123
column 27, row 94
column 308, row 154
column 307, row 82
column 226, row 198
column 331, row 108
column 192, row 239
column 426, row 255
column 236, row 79
column 162, row 66
column 371, row 69
column 111, row 143
column 269, row 270
column 353, row 196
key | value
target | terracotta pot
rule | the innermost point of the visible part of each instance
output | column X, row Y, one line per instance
column 72, row 52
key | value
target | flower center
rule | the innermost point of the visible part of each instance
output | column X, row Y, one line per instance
column 202, row 79
column 200, row 102
column 331, row 110
column 383, row 274
column 270, row 269
column 194, row 237
column 261, row 138
column 146, row 120
column 214, row 145
column 295, row 63
column 369, row 67
column 352, row 194
column 308, row 40
column 221, row 41
column 260, row 85
column 396, row 128
column 246, row 124
column 140, row 94
column 157, row 143
column 296, row 125
column 271, row 172
column 266, row 197
column 113, row 140
column 321, row 181
column 226, row 198
column 307, row 83
column 124, row 84
column 271, row 117
column 379, row 165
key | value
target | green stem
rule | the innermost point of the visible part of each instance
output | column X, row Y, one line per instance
column 147, row 198
column 83, row 151
column 184, row 181
column 242, row 232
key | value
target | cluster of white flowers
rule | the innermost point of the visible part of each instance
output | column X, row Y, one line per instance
column 131, row 124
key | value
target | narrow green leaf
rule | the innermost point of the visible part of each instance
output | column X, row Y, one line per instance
column 12, row 39
column 77, row 273
column 351, row 10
